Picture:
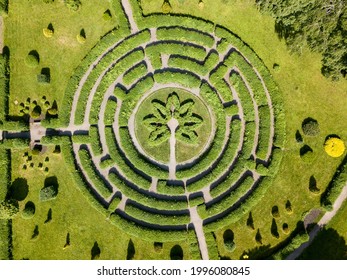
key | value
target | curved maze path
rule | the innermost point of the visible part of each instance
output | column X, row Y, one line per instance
column 162, row 201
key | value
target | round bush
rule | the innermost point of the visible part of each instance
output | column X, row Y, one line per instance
column 49, row 31
column 334, row 147
column 29, row 210
column 310, row 127
column 275, row 212
column 306, row 154
column 33, row 59
column 285, row 228
column 176, row 253
column 228, row 238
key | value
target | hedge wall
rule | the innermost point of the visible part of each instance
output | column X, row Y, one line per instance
column 135, row 73
column 264, row 132
column 338, row 181
column 5, row 172
column 4, row 240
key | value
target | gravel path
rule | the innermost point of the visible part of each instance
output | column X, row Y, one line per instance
column 322, row 222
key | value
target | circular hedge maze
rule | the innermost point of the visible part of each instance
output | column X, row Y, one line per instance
column 177, row 127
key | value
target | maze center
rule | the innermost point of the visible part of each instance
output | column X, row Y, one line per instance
column 173, row 126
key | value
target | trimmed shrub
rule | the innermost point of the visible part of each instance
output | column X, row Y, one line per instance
column 33, row 59
column 5, row 172
column 166, row 7
column 19, row 189
column 265, row 140
column 185, row 35
column 310, row 127
column 295, row 243
column 81, row 37
column 258, row 237
column 45, row 76
column 288, row 206
column 274, row 229
column 334, row 147
column 8, row 209
column 313, row 185
column 29, row 210
column 250, row 222
column 306, row 154
column 107, row 15
column 73, row 5
column 228, row 238
column 285, row 228
column 48, row 31
column 48, row 193
column 275, row 212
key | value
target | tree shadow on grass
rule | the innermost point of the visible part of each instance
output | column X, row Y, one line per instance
column 328, row 245
column 19, row 189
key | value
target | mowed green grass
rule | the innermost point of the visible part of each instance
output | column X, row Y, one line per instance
column 71, row 214
column 306, row 93
column 61, row 53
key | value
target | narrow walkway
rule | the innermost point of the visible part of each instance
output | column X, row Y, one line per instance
column 129, row 14
column 322, row 222
column 198, row 226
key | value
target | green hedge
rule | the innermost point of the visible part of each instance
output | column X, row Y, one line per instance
column 264, row 132
column 248, row 141
column 5, row 172
column 137, row 159
column 110, row 111
column 164, row 187
column 194, row 250
column 211, row 98
column 183, row 78
column 218, row 81
column 4, row 86
column 16, row 143
column 5, row 239
column 244, row 95
column 95, row 140
column 119, row 160
column 135, row 73
column 211, row 243
column 156, row 219
column 247, row 204
column 144, row 197
column 154, row 51
column 146, row 233
column 333, row 190
column 225, row 201
column 188, row 64
column 88, row 166
column 250, row 75
column 158, row 20
column 185, row 35
column 295, row 243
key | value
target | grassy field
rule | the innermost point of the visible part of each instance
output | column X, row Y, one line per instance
column 306, row 93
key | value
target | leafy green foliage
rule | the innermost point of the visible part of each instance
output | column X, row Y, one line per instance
column 8, row 209
column 318, row 23
column 48, row 193
column 73, row 5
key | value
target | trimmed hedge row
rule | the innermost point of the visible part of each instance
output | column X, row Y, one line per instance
column 156, row 219
column 226, row 200
column 118, row 159
column 114, row 204
column 218, row 81
column 4, row 86
column 264, row 132
column 164, row 187
column 95, row 140
column 211, row 243
column 16, row 143
column 187, row 64
column 135, row 158
column 154, row 51
column 248, row 140
column 194, row 250
column 184, row 21
column 335, row 186
column 110, row 111
column 211, row 98
column 186, row 35
column 135, row 73
column 5, row 172
column 184, row 78
column 146, row 233
column 233, row 176
column 144, row 197
column 88, row 166
column 110, row 77
column 244, row 95
column 251, row 77
column 228, row 155
column 4, row 239
column 295, row 243
column 247, row 204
